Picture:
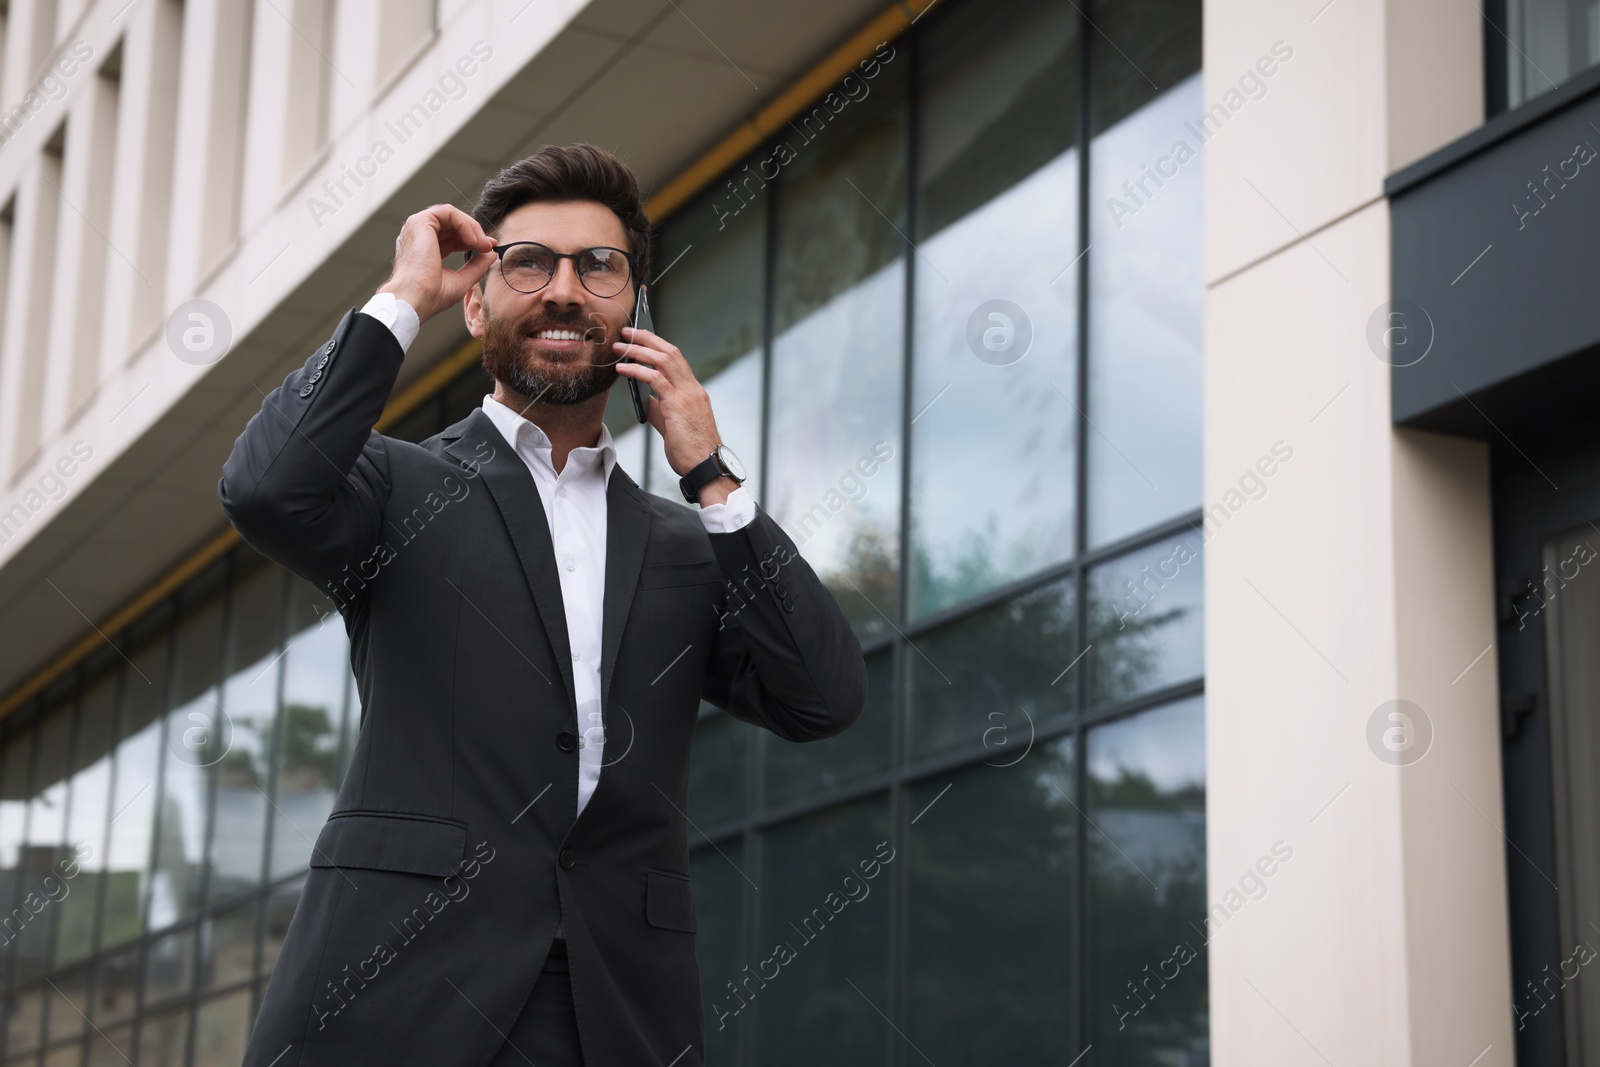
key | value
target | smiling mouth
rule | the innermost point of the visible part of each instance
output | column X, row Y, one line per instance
column 593, row 335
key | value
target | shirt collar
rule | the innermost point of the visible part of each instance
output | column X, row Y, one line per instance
column 520, row 431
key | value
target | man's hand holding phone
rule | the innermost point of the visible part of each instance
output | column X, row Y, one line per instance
column 680, row 410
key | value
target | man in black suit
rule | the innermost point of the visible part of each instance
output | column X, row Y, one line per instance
column 504, row 878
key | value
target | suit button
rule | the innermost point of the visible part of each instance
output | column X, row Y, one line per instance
column 788, row 605
column 568, row 860
column 306, row 391
column 566, row 742
column 783, row 590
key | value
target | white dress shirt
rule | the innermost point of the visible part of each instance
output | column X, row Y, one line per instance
column 575, row 507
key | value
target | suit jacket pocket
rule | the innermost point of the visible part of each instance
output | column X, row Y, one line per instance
column 391, row 841
column 667, row 575
column 668, row 900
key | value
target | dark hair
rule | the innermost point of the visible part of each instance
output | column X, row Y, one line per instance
column 570, row 172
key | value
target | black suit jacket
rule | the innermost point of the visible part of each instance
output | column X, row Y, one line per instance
column 455, row 846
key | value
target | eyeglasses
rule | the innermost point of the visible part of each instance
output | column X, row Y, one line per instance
column 528, row 266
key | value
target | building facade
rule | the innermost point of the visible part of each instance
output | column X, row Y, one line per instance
column 1105, row 361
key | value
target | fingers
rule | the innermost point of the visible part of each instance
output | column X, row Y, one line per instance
column 457, row 231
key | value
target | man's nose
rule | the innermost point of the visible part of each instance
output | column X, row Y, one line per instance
column 565, row 288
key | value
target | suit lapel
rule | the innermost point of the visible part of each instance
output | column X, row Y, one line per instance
column 628, row 516
column 516, row 494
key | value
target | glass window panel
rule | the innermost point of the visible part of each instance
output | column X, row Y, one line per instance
column 997, row 843
column 824, row 943
column 718, row 900
column 837, row 367
column 116, row 987
column 991, row 677
column 1145, row 623
column 69, row 1004
column 711, row 307
column 250, row 699
column 111, row 1047
column 994, row 431
column 281, row 903
column 228, row 946
column 717, row 771
column 1147, row 888
column 86, row 821
column 169, row 966
column 41, row 885
column 221, row 1030
column 164, row 1039
column 133, row 796
column 315, row 668
column 15, row 760
column 1146, row 286
column 1157, row 46
column 794, row 770
column 65, row 1055
column 195, row 740
column 24, row 1016
column 1549, row 42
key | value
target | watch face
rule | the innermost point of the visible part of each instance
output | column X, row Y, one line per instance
column 731, row 462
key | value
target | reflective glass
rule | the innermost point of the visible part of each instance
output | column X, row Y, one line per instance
column 1147, row 888
column 164, row 1039
column 250, row 700
column 710, row 303
column 821, row 964
column 42, row 888
column 996, row 842
column 990, row 678
column 221, row 1030
column 116, row 987
column 794, row 770
column 1146, row 628
column 717, row 771
column 86, row 821
column 14, row 766
column 111, row 1047
column 316, row 668
column 68, row 997
column 994, row 431
column 837, row 356
column 24, row 1017
column 195, row 740
column 228, row 946
column 718, row 895
column 1146, row 279
column 133, row 795
column 1547, row 42
column 169, row 966
column 1146, row 285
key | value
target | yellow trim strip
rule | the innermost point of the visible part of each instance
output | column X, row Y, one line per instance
column 894, row 21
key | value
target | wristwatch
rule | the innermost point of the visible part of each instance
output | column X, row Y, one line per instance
column 720, row 463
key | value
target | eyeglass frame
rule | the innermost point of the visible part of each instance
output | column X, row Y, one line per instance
column 627, row 257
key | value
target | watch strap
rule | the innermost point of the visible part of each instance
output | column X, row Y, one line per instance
column 699, row 476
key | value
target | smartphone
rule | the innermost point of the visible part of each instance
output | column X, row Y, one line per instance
column 640, row 391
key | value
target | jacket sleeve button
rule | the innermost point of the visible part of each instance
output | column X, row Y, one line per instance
column 306, row 391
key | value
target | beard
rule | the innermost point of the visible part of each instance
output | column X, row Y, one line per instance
column 511, row 357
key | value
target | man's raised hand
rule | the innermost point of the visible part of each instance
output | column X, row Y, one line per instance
column 420, row 277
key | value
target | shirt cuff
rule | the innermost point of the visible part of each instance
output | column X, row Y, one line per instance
column 397, row 314
column 733, row 515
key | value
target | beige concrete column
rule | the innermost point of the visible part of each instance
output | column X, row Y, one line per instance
column 1363, row 576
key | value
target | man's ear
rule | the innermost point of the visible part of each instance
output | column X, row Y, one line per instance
column 472, row 310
